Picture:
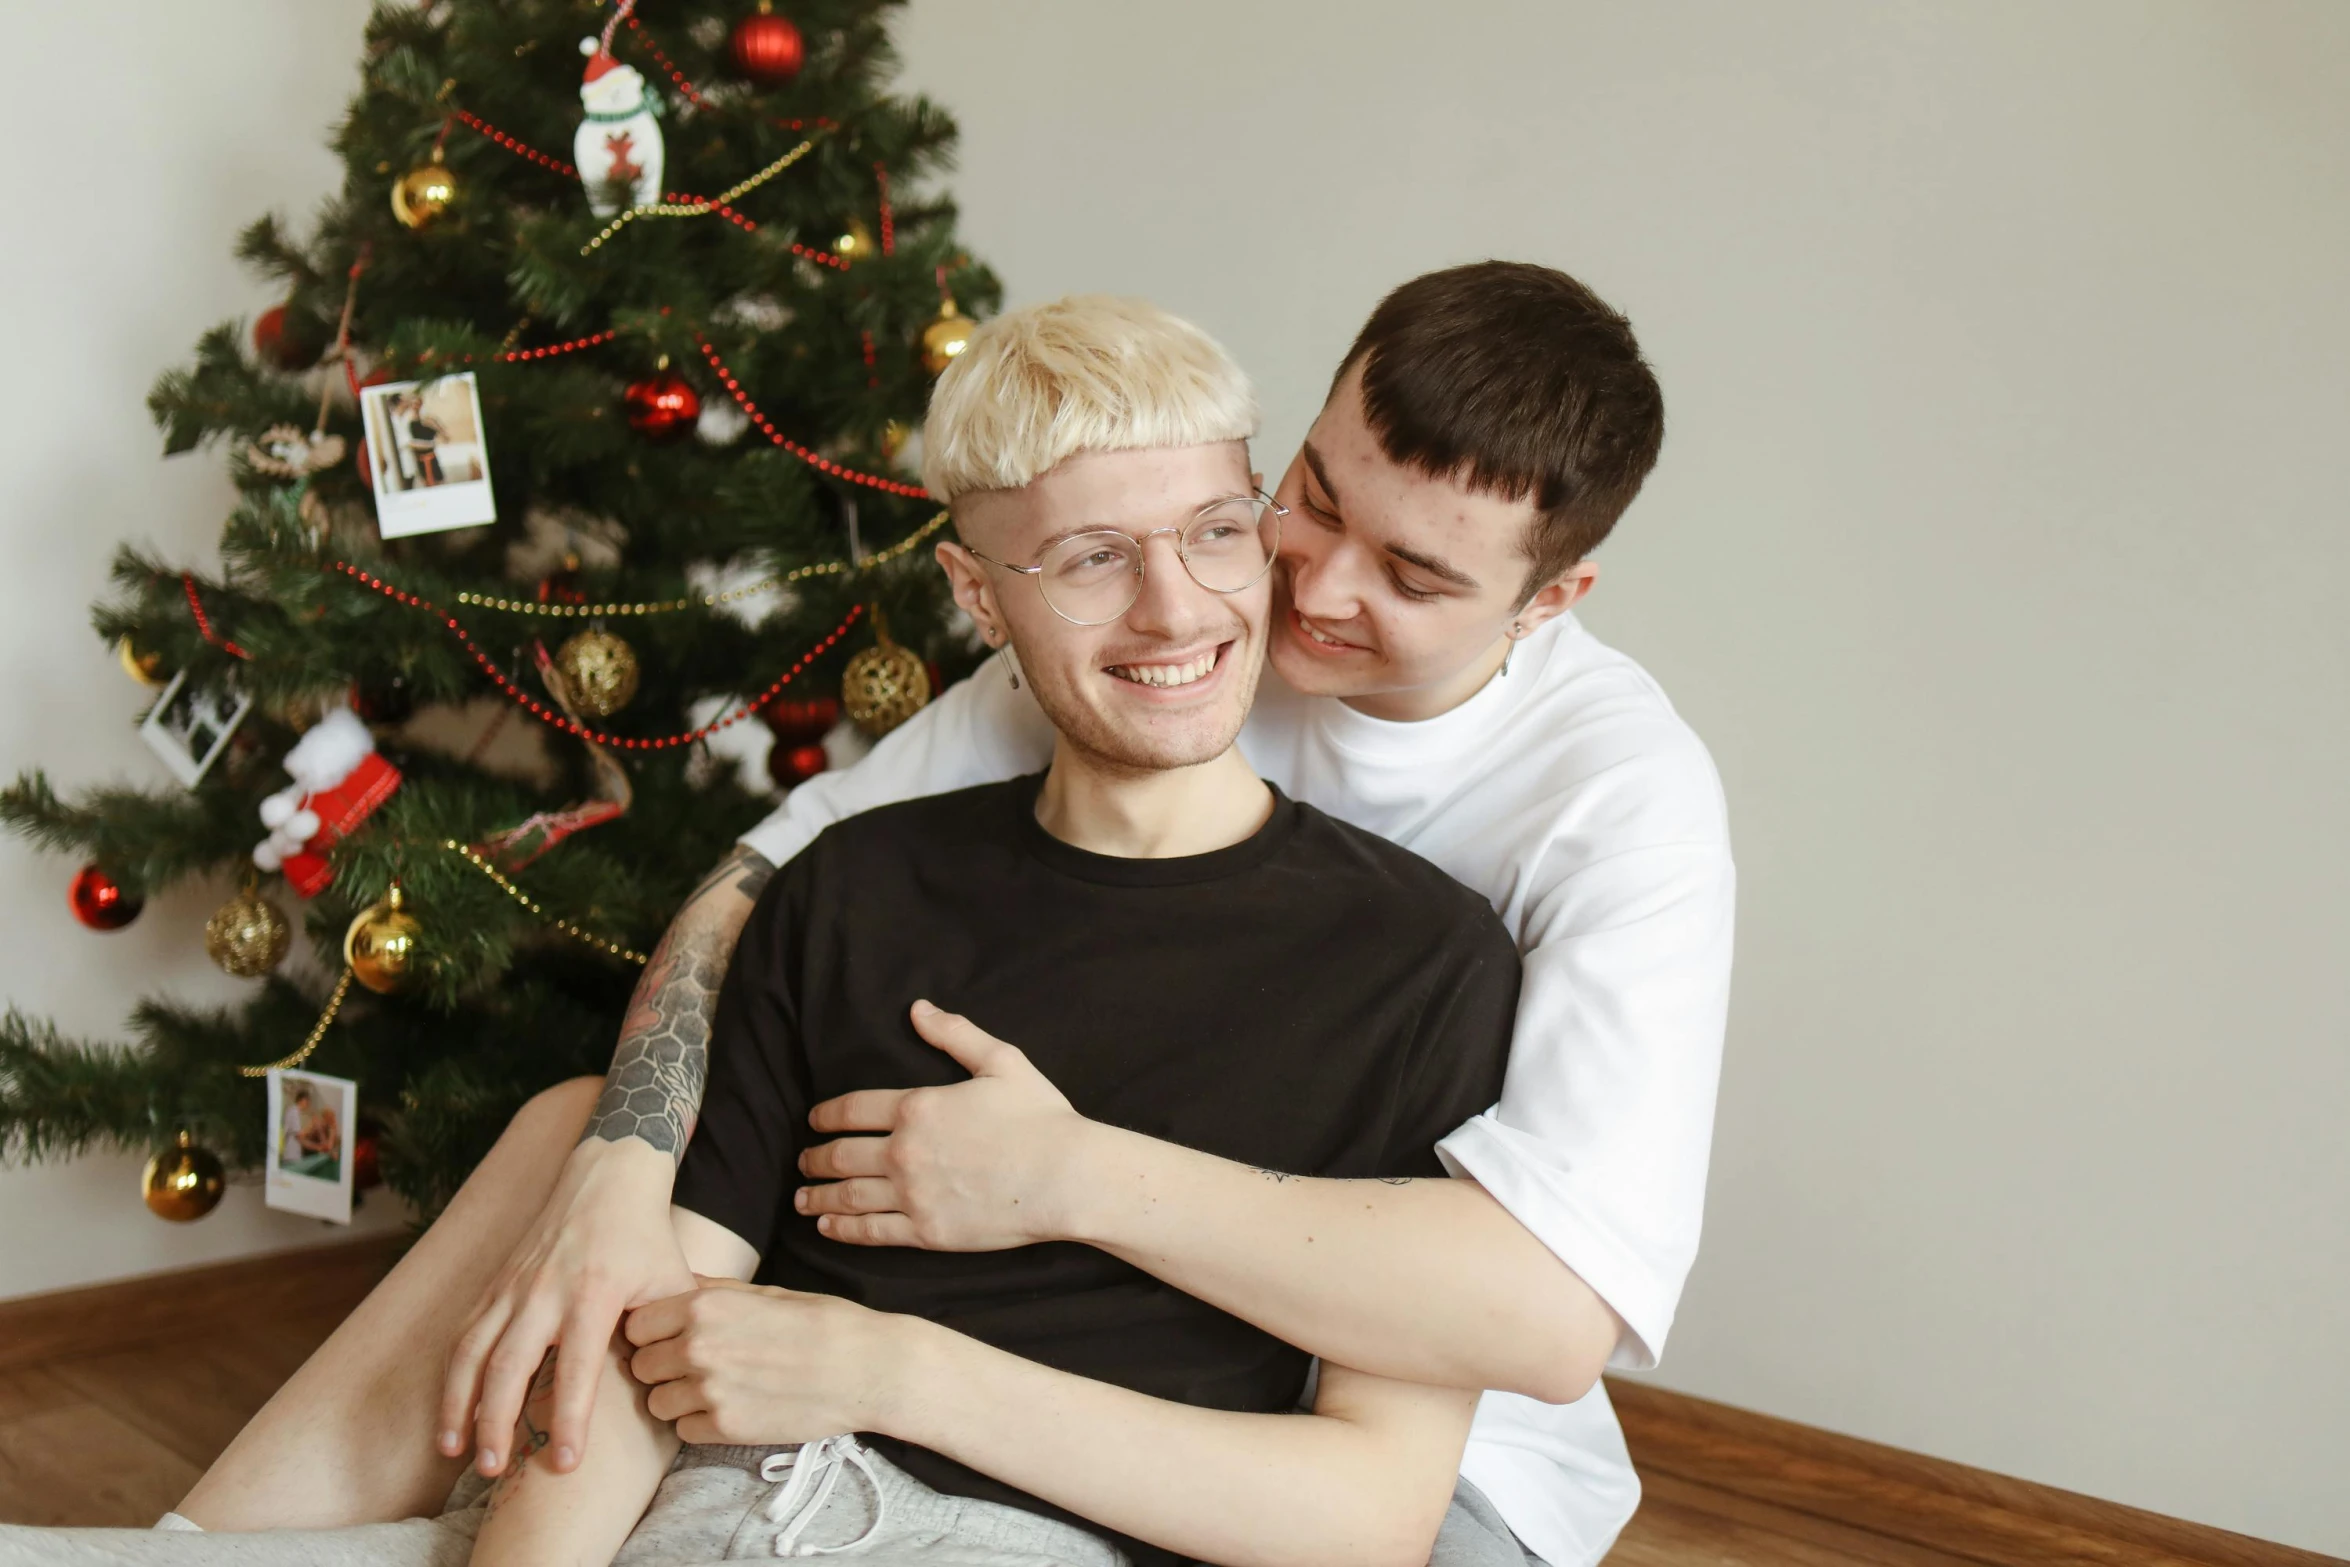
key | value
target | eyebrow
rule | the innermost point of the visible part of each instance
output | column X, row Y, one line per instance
column 1067, row 534
column 1440, row 569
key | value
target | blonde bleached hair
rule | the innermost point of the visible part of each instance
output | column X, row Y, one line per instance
column 1089, row 373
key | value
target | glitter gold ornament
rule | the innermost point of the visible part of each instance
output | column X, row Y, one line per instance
column 945, row 338
column 183, row 1182
column 599, row 672
column 145, row 668
column 247, row 936
column 421, row 194
column 380, row 946
column 856, row 243
column 884, row 685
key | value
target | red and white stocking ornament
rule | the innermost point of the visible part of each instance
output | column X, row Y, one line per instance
column 618, row 149
column 338, row 781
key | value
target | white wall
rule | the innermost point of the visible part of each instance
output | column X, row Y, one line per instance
column 2000, row 551
column 173, row 127
column 1997, row 550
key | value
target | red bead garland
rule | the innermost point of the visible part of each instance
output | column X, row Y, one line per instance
column 662, row 60
column 889, row 219
column 523, row 149
column 815, row 460
column 204, row 622
column 556, row 719
column 518, row 355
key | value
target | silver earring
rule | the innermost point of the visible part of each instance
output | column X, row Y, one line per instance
column 1004, row 652
column 1516, row 631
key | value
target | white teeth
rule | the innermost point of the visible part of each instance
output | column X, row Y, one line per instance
column 1164, row 675
column 1318, row 637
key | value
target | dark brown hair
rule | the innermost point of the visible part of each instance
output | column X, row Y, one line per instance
column 1523, row 383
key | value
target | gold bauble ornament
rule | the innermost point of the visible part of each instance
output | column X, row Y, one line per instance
column 598, row 671
column 857, row 244
column 145, row 668
column 380, row 946
column 247, row 935
column 884, row 685
column 894, row 436
column 183, row 1182
column 420, row 195
column 945, row 338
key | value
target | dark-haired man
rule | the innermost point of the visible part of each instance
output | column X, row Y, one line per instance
column 1483, row 435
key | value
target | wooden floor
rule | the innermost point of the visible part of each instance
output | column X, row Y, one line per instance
column 113, row 1400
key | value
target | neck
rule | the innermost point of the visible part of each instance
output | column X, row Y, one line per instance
column 1437, row 697
column 1103, row 807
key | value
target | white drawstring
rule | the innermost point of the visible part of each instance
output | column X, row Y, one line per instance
column 815, row 1469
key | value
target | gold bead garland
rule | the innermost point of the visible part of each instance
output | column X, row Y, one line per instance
column 474, row 859
column 334, row 1005
column 830, row 568
column 703, row 207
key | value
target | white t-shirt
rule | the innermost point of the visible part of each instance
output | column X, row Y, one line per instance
column 1573, row 797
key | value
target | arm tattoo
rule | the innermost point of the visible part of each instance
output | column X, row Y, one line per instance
column 654, row 1090
column 530, row 1438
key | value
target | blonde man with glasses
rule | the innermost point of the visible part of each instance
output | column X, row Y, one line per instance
column 1290, row 992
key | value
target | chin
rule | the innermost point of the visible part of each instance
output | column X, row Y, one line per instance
column 1314, row 674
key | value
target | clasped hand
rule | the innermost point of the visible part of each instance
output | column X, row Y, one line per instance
column 748, row 1363
column 972, row 1166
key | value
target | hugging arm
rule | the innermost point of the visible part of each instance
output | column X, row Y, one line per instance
column 1365, row 1478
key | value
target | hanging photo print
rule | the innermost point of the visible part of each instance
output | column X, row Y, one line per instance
column 311, row 1121
column 190, row 724
column 426, row 455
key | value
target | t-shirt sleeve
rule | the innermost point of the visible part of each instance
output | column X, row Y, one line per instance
column 743, row 1157
column 979, row 731
column 1460, row 1047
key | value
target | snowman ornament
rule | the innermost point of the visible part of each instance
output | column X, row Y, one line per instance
column 618, row 148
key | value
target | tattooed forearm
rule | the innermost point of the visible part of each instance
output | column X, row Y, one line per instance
column 654, row 1090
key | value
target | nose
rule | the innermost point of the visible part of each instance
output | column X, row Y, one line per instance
column 1171, row 606
column 1313, row 569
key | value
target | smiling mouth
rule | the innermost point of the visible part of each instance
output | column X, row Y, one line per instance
column 1171, row 676
column 1319, row 639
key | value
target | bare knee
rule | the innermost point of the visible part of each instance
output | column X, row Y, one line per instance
column 556, row 1115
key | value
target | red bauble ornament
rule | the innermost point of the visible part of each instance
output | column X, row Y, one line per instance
column 663, row 406
column 99, row 901
column 767, row 49
column 797, row 722
column 797, row 765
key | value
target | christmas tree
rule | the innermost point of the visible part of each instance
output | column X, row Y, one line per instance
column 578, row 439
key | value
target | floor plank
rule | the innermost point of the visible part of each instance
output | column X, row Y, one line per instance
column 78, row 1464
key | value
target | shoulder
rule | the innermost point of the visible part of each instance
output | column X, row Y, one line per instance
column 923, row 825
column 1599, row 752
column 1412, row 898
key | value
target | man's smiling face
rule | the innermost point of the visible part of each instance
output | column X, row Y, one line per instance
column 1169, row 683
column 1394, row 587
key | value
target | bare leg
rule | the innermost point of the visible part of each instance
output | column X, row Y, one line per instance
column 349, row 1439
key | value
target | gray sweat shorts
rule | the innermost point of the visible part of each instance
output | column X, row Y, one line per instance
column 837, row 1498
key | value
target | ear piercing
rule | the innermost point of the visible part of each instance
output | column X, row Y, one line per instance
column 1514, row 633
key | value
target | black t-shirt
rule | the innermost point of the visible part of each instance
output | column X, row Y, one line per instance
column 1312, row 1000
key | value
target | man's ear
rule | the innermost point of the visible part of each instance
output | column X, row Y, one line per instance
column 972, row 589
column 1555, row 597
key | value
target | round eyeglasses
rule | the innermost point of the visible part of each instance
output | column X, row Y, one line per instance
column 1094, row 577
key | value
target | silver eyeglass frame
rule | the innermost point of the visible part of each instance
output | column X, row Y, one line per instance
column 1142, row 556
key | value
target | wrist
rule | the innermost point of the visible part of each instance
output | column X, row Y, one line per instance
column 624, row 1160
column 914, row 1359
column 1092, row 1183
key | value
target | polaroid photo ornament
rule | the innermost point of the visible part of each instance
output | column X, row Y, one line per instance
column 313, row 1122
column 190, row 723
column 426, row 456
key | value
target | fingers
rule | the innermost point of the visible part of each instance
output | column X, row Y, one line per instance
column 675, row 1401
column 576, row 1369
column 710, row 1281
column 866, row 1194
column 658, row 1363
column 662, row 1319
column 845, row 1157
column 871, row 1229
column 866, row 1110
column 461, row 1386
column 975, row 1049
column 517, row 1359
